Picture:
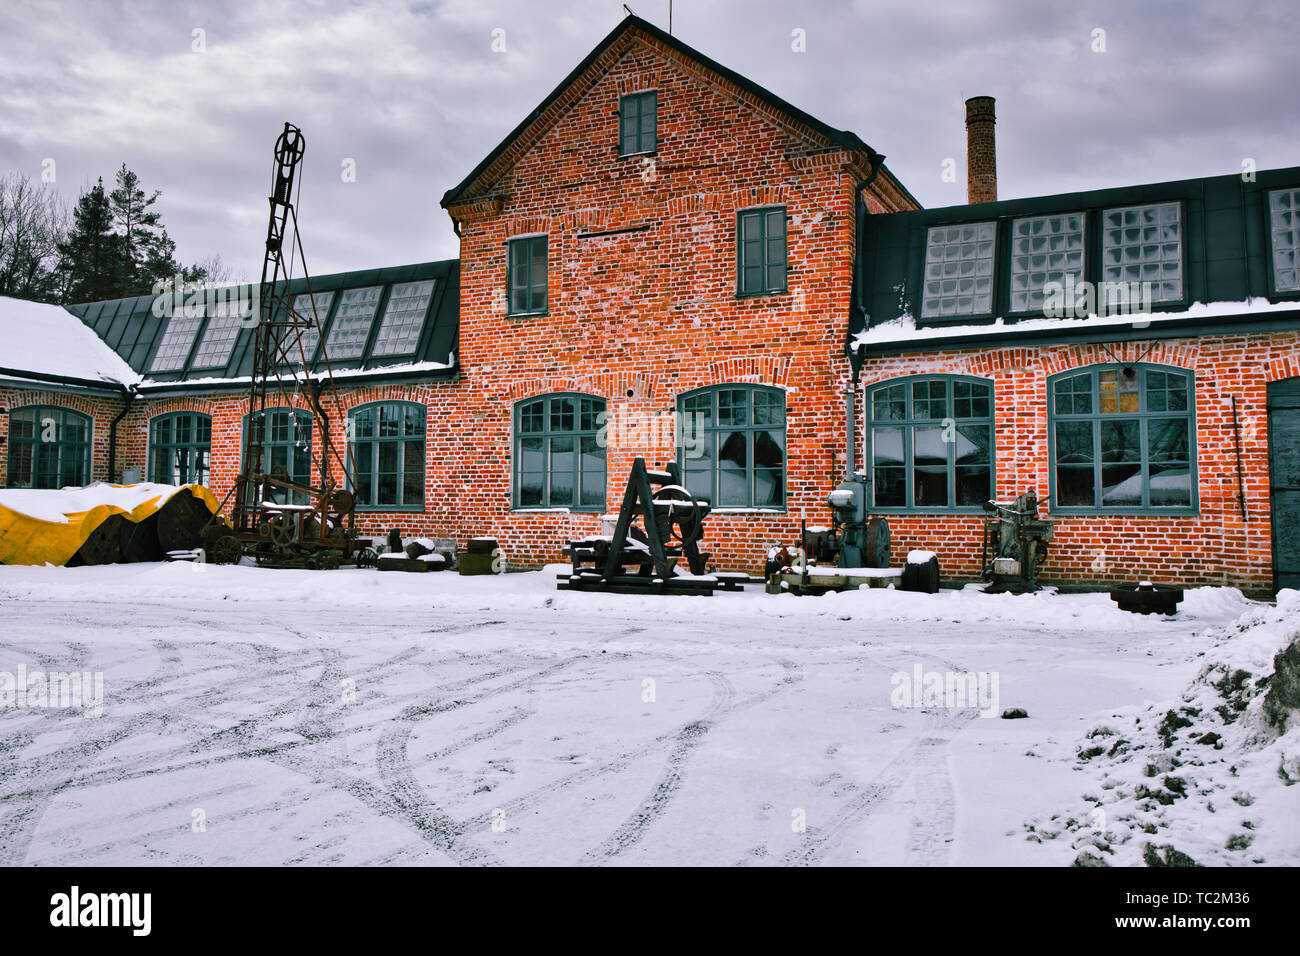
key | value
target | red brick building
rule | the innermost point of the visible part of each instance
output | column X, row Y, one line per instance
column 666, row 260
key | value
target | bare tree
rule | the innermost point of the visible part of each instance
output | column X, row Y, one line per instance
column 33, row 221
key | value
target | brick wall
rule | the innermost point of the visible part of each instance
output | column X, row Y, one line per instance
column 1215, row 546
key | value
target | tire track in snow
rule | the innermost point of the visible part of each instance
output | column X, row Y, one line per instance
column 687, row 739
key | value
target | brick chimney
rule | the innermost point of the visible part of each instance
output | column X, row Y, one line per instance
column 981, row 151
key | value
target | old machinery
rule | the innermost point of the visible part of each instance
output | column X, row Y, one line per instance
column 1014, row 544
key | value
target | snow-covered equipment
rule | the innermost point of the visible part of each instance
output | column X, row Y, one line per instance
column 1147, row 598
column 1014, row 544
column 852, row 552
column 101, row 523
column 855, row 539
column 671, row 526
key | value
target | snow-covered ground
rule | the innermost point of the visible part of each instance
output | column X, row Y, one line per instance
column 278, row 716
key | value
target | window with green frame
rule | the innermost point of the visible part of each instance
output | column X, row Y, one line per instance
column 179, row 446
column 638, row 122
column 760, row 250
column 49, row 447
column 731, row 445
column 1123, row 439
column 386, row 442
column 560, row 452
column 286, row 444
column 526, row 281
column 931, row 443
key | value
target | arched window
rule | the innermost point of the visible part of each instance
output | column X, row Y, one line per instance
column 1123, row 439
column 286, row 445
column 179, row 447
column 931, row 443
column 49, row 447
column 731, row 445
column 386, row 442
column 560, row 452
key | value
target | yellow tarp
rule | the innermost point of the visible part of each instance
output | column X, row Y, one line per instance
column 40, row 526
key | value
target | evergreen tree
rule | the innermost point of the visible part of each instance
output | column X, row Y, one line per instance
column 90, row 257
column 146, row 252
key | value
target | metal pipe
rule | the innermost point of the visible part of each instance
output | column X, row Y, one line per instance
column 1241, row 482
column 130, row 395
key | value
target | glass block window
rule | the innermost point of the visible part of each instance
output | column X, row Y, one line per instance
column 526, row 281
column 399, row 330
column 959, row 270
column 560, row 453
column 176, row 342
column 731, row 445
column 309, row 336
column 760, row 251
column 49, row 447
column 352, row 321
column 1144, row 244
column 931, row 443
column 387, row 453
column 1044, row 249
column 638, row 120
column 1123, row 439
column 218, row 342
column 1284, row 226
column 179, row 447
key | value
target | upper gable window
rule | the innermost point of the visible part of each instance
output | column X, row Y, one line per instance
column 527, row 275
column 760, row 251
column 638, row 123
column 959, row 270
column 1284, row 226
column 1144, row 244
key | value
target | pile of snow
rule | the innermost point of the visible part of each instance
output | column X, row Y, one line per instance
column 1191, row 781
column 65, row 346
column 54, row 505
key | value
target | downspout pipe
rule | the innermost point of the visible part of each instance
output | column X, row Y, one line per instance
column 858, row 310
column 129, row 394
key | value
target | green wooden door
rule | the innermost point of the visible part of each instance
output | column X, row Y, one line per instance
column 1284, row 479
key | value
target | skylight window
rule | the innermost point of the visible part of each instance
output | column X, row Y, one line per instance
column 959, row 270
column 176, row 342
column 217, row 342
column 310, row 336
column 1144, row 244
column 399, row 331
column 351, row 328
column 1044, row 249
column 1284, row 225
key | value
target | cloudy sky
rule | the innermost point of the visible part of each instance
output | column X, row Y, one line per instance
column 192, row 95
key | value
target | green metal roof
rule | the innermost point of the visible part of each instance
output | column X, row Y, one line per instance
column 1227, row 252
column 132, row 328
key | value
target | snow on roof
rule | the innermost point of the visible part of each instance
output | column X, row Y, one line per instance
column 904, row 329
column 49, row 340
column 288, row 378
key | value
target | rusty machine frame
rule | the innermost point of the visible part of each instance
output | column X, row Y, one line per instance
column 313, row 526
